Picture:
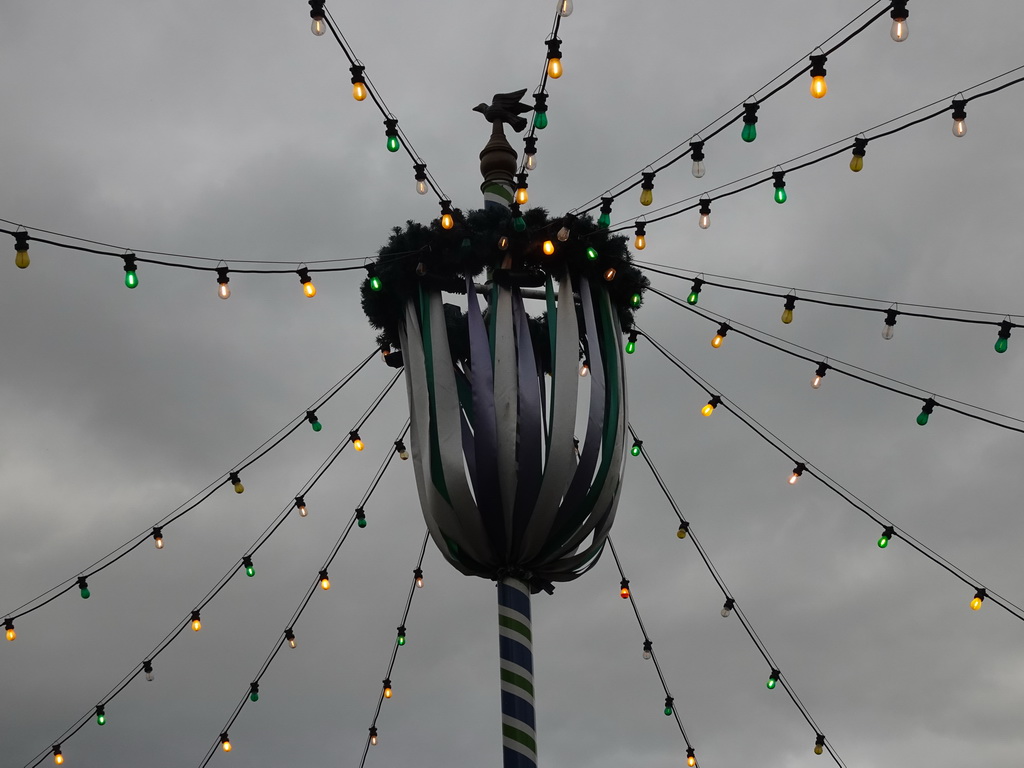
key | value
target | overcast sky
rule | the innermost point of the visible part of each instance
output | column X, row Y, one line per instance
column 226, row 130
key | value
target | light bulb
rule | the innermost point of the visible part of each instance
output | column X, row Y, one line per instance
column 926, row 411
column 373, row 735
column 147, row 667
column 225, row 742
column 357, row 441
column 691, row 759
column 631, row 343
column 422, row 187
column 325, row 583
column 887, row 533
column 254, row 692
column 635, row 300
column 548, row 248
column 554, row 68
column 236, row 482
column 640, row 243
column 420, row 170
column 387, row 689
column 773, row 680
column 697, row 155
column 9, row 626
column 787, row 311
column 21, row 259
column 819, row 745
column 698, row 169
column 447, row 222
column 899, row 31
column 250, row 569
column 540, row 111
column 797, row 471
column 646, row 197
column 314, row 422
column 289, row 635
column 681, row 532
column 222, row 283
column 101, row 715
column 749, row 133
column 818, row 85
column 1003, row 342
column 624, row 589
column 503, row 243
column 959, row 117
column 750, row 122
column 780, row 186
column 636, row 449
column 592, row 254
column 890, row 324
column 300, row 504
column 58, row 756
column 584, row 369
column 727, row 608
column 540, row 120
column 605, row 219
column 360, row 517
column 713, row 403
column 418, row 575
column 816, row 382
column 403, row 452
column 531, row 162
column 563, row 234
column 979, row 598
column 358, row 83
column 564, row 8
column 158, row 537
column 857, row 163
column 819, row 374
column 668, row 706
column 705, row 214
column 375, row 283
column 400, row 638
column 196, row 623
column 83, row 588
column 610, row 273
column 307, row 283
column 391, row 131
column 554, row 58
column 318, row 26
column 131, row 277
column 719, row 337
column 647, row 649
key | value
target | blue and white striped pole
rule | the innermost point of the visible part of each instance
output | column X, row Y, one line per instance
column 515, row 638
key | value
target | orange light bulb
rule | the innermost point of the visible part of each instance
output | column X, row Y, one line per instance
column 447, row 222
column 309, row 289
column 548, row 248
column 359, row 91
column 717, row 341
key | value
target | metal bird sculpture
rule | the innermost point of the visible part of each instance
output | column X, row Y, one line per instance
column 506, row 108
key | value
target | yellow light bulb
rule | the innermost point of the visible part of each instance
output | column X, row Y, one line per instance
column 196, row 625
column 12, row 635
column 708, row 409
column 856, row 164
column 291, row 642
column 554, row 68
column 819, row 749
column 976, row 604
column 818, row 86
column 640, row 243
column 226, row 746
column 21, row 259
column 522, row 195
column 548, row 248
column 359, row 91
column 447, row 222
column 239, row 488
column 691, row 761
column 647, row 197
column 309, row 289
column 387, row 692
column 716, row 342
column 793, row 478
column 325, row 584
column 358, row 444
column 787, row 316
column 58, row 759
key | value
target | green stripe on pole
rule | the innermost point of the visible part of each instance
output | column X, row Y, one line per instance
column 511, row 732
column 517, row 680
column 516, row 626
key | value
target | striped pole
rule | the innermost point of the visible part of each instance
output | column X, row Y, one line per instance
column 515, row 638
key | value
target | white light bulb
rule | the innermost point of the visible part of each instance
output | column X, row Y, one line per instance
column 564, row 8
column 531, row 162
column 887, row 331
column 899, row 31
column 422, row 187
column 318, row 26
column 816, row 382
column 698, row 169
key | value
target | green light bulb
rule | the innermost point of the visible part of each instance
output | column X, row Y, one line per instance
column 630, row 347
column 401, row 639
column 540, row 121
column 375, row 283
column 1001, row 344
column 772, row 682
column 361, row 522
column 749, row 132
column 394, row 144
column 250, row 570
column 85, row 593
column 131, row 278
column 254, row 696
column 592, row 254
column 922, row 418
column 635, row 299
column 692, row 298
column 101, row 719
column 780, row 195
column 668, row 711
column 635, row 450
column 317, row 426
column 604, row 220
column 519, row 224
column 883, row 541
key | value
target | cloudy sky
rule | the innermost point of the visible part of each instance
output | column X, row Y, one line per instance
column 226, row 130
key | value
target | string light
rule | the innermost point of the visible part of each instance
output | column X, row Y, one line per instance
column 648, row 647
column 250, row 569
column 131, row 276
column 196, row 623
column 548, row 247
column 624, row 589
column 289, row 635
column 316, row 12
column 684, row 528
column 697, row 156
column 708, row 409
column 819, row 744
column 83, row 588
column 373, row 735
column 522, row 187
column 418, row 575
column 222, row 283
column 637, row 447
column 773, row 680
column 307, row 282
column 780, row 186
column 391, row 131
column 705, row 214
column 979, row 598
column 540, row 111
column 401, row 450
column 818, row 85
column 727, row 607
column 691, row 758
column 787, row 309
column 530, row 153
column 859, row 150
column 387, row 688
column 592, row 254
column 300, row 504
column 147, row 667
column 749, row 132
column 225, row 742
column 420, row 170
column 254, row 692
column 58, row 756
column 631, row 343
column 236, row 482
column 372, row 278
column 926, row 411
column 669, row 701
column 567, row 222
column 610, row 273
column 797, row 471
column 564, row 8
column 554, row 58
column 101, row 715
column 360, row 517
column 584, row 369
column 636, row 300
column 518, row 222
column 357, row 442
column 358, row 82
column 959, row 117
column 605, row 219
column 719, row 337
column 819, row 374
column 694, row 296
column 400, row 638
column 21, row 259
column 325, row 582
column 890, row 324
column 9, row 626
column 641, row 236
column 899, row 32
column 647, row 188
column 314, row 422
column 447, row 219
column 887, row 533
column 1004, row 335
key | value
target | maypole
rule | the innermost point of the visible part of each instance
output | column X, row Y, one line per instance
column 507, row 491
